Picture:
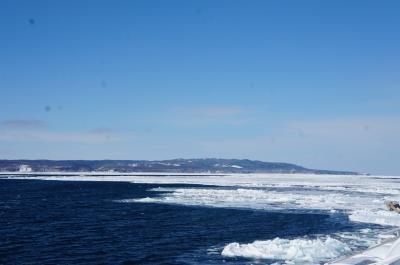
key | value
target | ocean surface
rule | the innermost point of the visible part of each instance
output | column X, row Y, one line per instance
column 105, row 222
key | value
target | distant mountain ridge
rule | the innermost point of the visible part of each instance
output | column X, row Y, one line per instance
column 204, row 165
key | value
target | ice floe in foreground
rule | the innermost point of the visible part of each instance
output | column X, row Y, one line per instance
column 309, row 251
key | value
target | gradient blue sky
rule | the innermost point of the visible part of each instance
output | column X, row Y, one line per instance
column 315, row 83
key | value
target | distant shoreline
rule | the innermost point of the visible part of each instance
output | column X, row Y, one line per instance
column 192, row 166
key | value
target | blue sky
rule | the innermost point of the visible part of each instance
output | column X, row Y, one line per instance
column 315, row 83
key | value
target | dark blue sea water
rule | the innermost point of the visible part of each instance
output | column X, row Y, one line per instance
column 56, row 222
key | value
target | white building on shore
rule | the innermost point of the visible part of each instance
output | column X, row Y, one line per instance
column 25, row 168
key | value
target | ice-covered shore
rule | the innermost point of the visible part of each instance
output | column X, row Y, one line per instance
column 360, row 197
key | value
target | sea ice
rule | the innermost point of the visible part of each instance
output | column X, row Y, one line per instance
column 360, row 197
column 308, row 251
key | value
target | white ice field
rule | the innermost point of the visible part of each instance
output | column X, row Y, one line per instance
column 361, row 198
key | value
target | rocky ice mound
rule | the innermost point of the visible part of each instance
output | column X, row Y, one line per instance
column 298, row 251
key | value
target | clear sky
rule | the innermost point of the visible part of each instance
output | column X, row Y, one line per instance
column 315, row 83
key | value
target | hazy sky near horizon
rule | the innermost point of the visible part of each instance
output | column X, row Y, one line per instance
column 315, row 83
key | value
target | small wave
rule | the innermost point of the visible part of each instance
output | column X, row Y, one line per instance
column 295, row 251
column 147, row 199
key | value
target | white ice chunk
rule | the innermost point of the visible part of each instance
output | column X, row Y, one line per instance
column 310, row 251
